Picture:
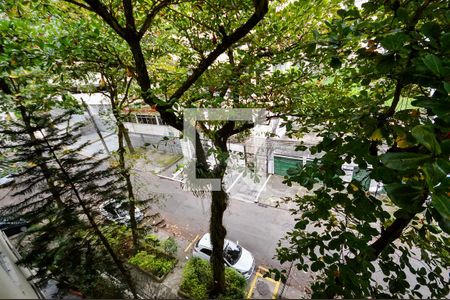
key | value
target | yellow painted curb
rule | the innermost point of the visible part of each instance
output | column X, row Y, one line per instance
column 258, row 274
column 191, row 243
column 252, row 286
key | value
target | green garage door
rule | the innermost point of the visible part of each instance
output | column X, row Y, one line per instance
column 282, row 164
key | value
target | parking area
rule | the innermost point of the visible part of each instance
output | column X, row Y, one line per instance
column 263, row 287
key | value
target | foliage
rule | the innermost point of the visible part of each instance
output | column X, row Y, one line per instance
column 120, row 238
column 64, row 243
column 197, row 281
column 154, row 262
column 377, row 96
column 103, row 288
column 235, row 284
column 169, row 246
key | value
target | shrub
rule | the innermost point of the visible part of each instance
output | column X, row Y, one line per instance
column 198, row 278
column 235, row 284
column 169, row 246
column 120, row 238
column 156, row 264
column 152, row 240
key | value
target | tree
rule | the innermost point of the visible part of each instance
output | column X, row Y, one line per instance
column 132, row 26
column 62, row 189
column 378, row 98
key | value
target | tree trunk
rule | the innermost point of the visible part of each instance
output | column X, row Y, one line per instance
column 122, row 134
column 218, row 207
column 218, row 233
column 131, row 199
column 42, row 165
column 127, row 138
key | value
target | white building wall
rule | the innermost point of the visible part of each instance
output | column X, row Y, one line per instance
column 13, row 279
column 161, row 130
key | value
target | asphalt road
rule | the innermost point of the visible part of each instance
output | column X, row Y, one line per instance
column 257, row 228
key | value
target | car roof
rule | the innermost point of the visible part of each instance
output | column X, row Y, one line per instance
column 205, row 241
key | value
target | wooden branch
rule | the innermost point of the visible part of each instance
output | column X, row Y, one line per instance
column 129, row 18
column 151, row 16
column 390, row 234
column 101, row 10
column 261, row 9
column 242, row 128
column 397, row 93
column 79, row 4
column 417, row 14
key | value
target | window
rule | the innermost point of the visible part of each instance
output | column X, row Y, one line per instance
column 145, row 119
column 232, row 253
column 206, row 251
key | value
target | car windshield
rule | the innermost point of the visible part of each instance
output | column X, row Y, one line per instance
column 232, row 253
column 122, row 209
column 110, row 207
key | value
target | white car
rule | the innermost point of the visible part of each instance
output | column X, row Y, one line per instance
column 235, row 256
column 117, row 211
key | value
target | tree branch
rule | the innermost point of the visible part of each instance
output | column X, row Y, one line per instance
column 151, row 16
column 100, row 9
column 129, row 18
column 79, row 4
column 261, row 8
column 397, row 93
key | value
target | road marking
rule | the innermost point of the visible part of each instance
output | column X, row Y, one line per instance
column 262, row 188
column 177, row 173
column 252, row 286
column 169, row 178
column 191, row 243
column 260, row 275
column 263, row 269
column 275, row 290
column 234, row 182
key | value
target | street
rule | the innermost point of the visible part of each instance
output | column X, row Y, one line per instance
column 257, row 228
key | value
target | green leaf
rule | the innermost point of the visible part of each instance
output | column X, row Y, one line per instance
column 447, row 87
column 443, row 223
column 402, row 14
column 441, row 202
column 445, row 40
column 317, row 265
column 394, row 42
column 439, row 107
column 431, row 30
column 435, row 172
column 445, row 146
column 425, row 136
column 402, row 161
column 385, row 63
column 406, row 196
column 433, row 63
column 335, row 62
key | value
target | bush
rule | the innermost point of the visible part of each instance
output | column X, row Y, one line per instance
column 235, row 284
column 102, row 288
column 169, row 246
column 198, row 278
column 120, row 238
column 158, row 265
column 151, row 240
